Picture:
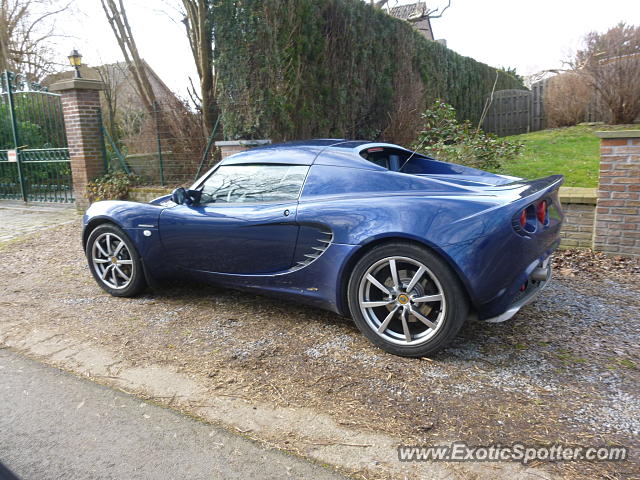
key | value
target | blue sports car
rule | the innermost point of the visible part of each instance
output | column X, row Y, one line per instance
column 408, row 246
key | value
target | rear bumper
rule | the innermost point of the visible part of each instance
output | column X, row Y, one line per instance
column 539, row 278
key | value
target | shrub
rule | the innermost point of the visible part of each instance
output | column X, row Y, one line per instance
column 566, row 100
column 31, row 134
column 112, row 185
column 38, row 120
column 445, row 138
column 290, row 69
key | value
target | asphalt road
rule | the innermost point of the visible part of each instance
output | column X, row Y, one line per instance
column 54, row 425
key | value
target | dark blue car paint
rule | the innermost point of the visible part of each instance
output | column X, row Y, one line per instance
column 463, row 214
column 218, row 238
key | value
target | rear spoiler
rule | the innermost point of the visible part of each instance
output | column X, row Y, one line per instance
column 534, row 189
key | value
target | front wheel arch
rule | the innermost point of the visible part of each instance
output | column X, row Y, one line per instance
column 92, row 225
column 139, row 281
column 95, row 223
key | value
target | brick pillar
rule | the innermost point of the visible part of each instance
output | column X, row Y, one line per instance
column 228, row 148
column 618, row 207
column 82, row 120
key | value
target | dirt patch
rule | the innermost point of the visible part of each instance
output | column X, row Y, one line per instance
column 564, row 370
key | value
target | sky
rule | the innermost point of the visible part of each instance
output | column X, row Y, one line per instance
column 527, row 35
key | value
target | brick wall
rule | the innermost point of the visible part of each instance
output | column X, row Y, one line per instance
column 82, row 121
column 618, row 208
column 146, row 194
column 579, row 207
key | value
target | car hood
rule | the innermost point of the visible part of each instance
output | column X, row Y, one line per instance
column 124, row 213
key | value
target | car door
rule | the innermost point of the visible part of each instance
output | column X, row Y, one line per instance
column 245, row 222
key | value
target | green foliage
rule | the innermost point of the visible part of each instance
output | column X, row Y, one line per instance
column 112, row 185
column 46, row 172
column 445, row 138
column 573, row 152
column 333, row 68
column 35, row 173
column 30, row 134
column 511, row 71
column 38, row 119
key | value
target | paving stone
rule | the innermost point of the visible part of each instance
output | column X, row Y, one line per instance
column 18, row 219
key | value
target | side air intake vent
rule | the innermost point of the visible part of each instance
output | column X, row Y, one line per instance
column 313, row 248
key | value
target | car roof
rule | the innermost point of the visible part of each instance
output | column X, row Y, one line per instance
column 322, row 151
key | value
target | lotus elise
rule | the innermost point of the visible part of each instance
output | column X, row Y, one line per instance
column 408, row 246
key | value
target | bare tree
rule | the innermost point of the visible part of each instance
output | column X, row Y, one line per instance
column 117, row 17
column 27, row 28
column 111, row 76
column 197, row 22
column 611, row 64
column 438, row 12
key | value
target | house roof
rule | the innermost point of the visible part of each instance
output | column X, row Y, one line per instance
column 411, row 12
column 118, row 74
column 416, row 14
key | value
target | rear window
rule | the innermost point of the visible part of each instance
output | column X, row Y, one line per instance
column 389, row 158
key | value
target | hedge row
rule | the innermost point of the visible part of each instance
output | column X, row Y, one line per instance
column 334, row 68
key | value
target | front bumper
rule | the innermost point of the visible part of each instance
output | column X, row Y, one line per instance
column 538, row 279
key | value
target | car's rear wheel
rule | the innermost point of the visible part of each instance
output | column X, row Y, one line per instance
column 114, row 261
column 406, row 299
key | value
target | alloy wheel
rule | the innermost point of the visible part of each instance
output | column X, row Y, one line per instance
column 112, row 261
column 402, row 301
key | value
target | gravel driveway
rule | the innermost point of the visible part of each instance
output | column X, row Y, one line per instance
column 564, row 370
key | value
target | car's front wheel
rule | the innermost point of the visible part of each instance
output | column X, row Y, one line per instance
column 406, row 299
column 114, row 261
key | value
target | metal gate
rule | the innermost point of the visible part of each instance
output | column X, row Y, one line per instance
column 34, row 158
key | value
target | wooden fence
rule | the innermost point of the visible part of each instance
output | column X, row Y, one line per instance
column 521, row 111
column 516, row 111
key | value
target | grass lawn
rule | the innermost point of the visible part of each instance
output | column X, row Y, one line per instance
column 572, row 151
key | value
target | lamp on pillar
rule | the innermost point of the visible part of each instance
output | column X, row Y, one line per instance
column 80, row 98
column 75, row 59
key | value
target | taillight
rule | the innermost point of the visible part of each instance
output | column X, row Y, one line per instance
column 523, row 218
column 541, row 212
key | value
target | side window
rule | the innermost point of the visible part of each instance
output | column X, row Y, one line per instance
column 254, row 183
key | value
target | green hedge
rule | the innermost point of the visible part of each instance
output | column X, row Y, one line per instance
column 334, row 68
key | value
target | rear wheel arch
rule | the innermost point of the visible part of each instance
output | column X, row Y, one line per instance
column 406, row 299
column 366, row 248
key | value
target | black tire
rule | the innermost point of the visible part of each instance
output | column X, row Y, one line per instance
column 448, row 314
column 127, row 261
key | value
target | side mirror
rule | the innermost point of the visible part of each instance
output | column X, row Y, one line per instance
column 194, row 196
column 179, row 196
